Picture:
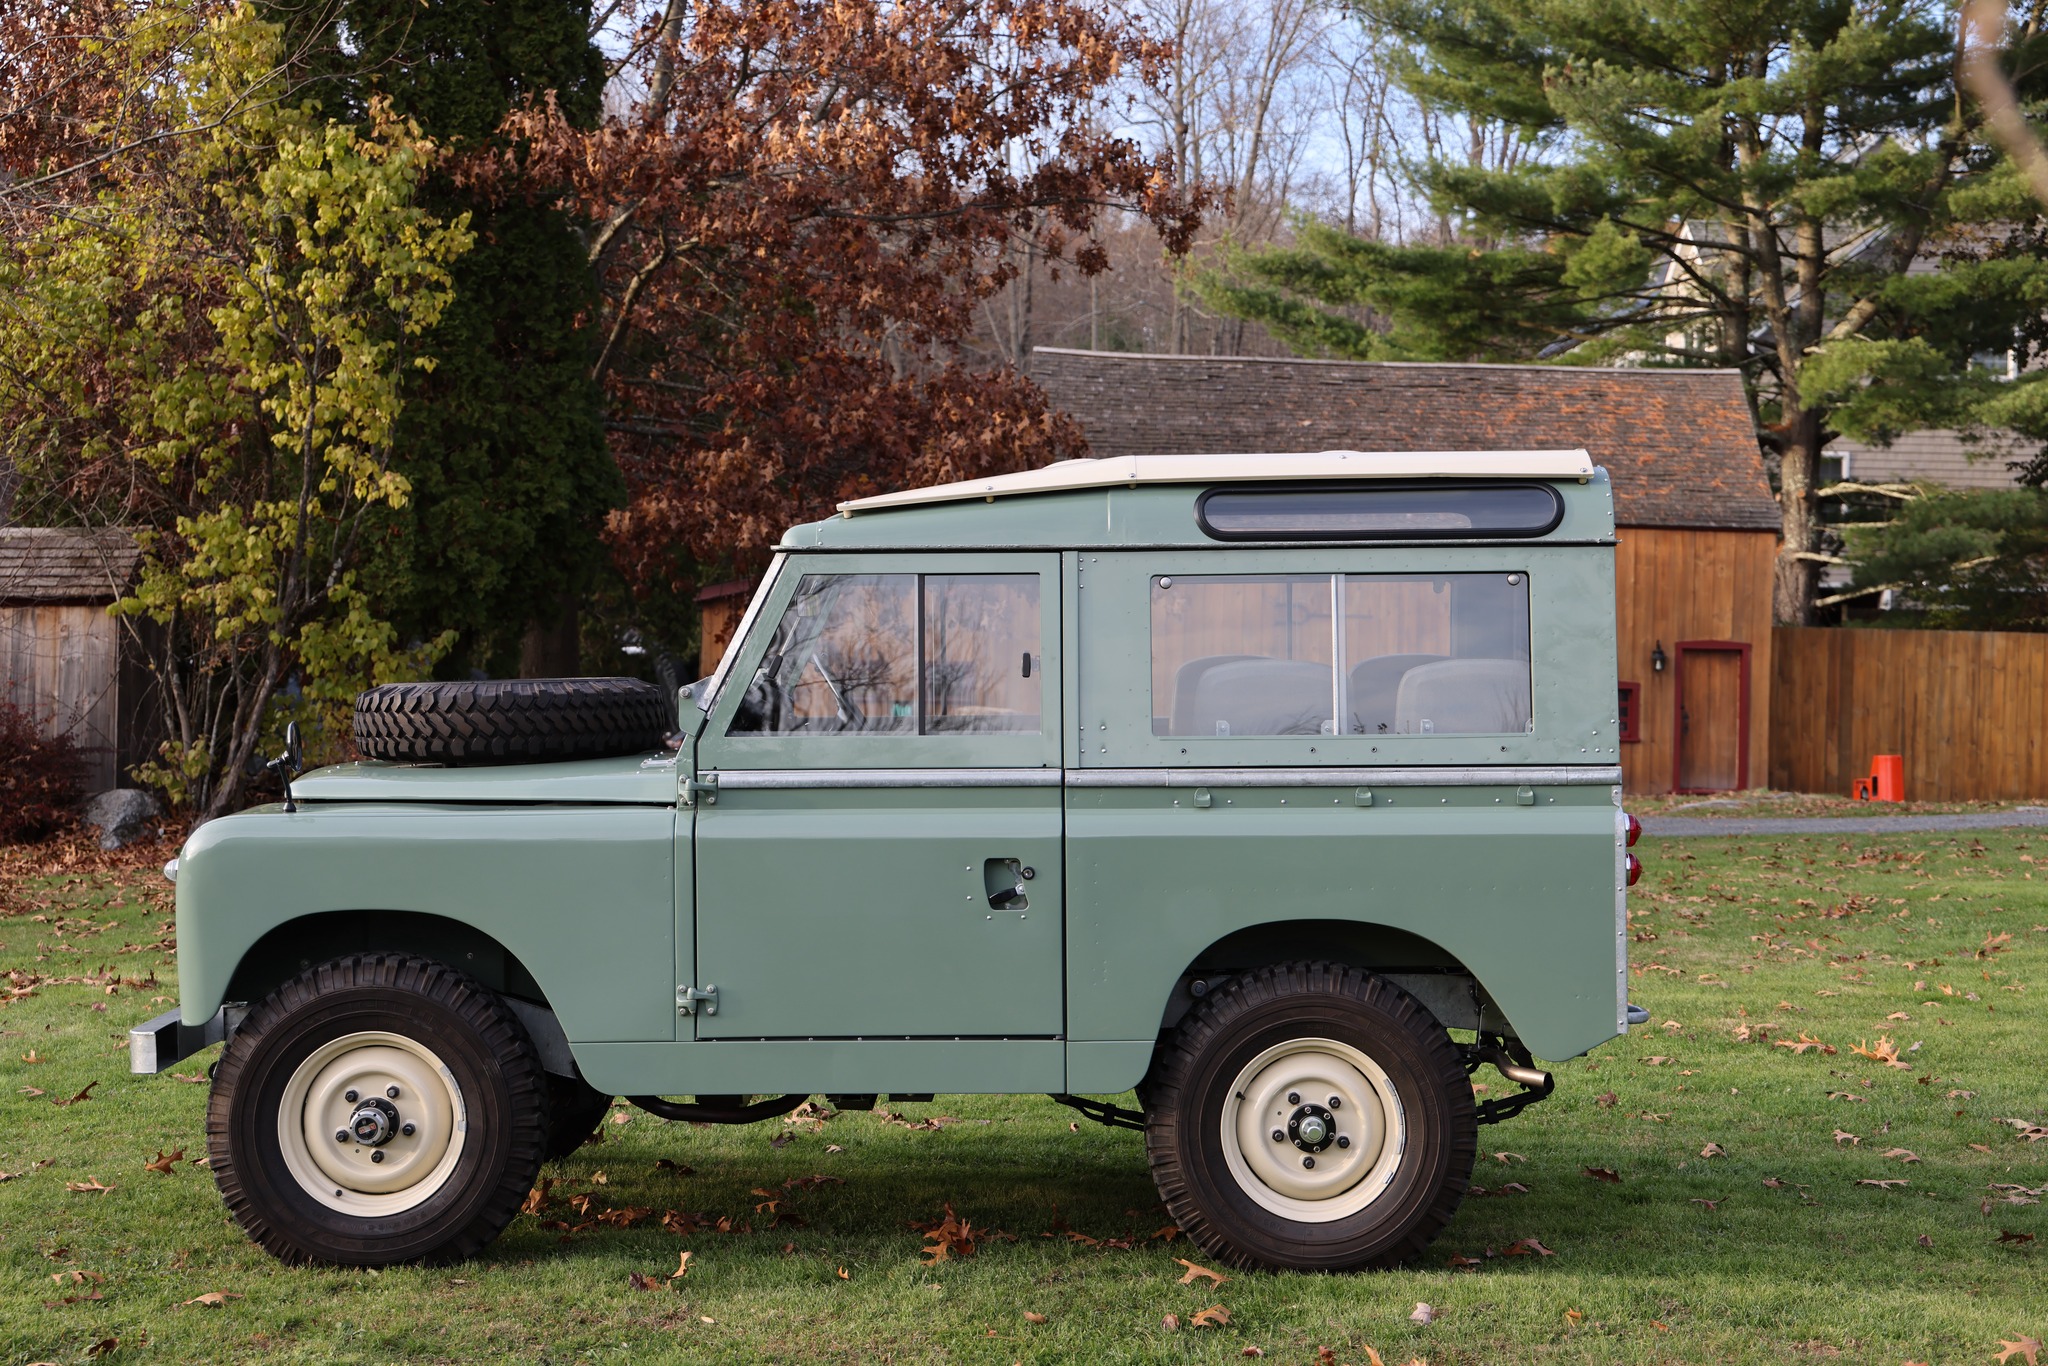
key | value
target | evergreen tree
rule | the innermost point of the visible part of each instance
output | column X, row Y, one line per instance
column 1798, row 188
column 503, row 440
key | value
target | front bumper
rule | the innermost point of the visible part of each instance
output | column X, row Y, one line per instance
column 166, row 1040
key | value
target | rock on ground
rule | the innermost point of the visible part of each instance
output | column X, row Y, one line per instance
column 121, row 815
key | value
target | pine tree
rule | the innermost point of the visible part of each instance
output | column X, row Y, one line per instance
column 503, row 440
column 1798, row 188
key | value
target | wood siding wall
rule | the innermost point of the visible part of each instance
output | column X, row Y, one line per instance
column 1675, row 585
column 62, row 665
column 1965, row 708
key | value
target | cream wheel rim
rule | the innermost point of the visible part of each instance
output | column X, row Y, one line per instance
column 372, row 1124
column 1313, row 1130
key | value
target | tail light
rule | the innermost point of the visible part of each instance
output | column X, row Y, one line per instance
column 1635, row 869
column 1635, row 830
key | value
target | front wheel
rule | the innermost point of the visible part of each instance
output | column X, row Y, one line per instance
column 1311, row 1117
column 377, row 1109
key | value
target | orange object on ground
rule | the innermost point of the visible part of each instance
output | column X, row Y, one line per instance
column 1886, row 783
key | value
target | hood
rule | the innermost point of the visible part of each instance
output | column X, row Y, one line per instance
column 628, row 780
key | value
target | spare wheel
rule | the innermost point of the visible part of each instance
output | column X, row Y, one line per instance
column 512, row 720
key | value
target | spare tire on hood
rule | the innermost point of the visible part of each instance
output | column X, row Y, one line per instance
column 512, row 720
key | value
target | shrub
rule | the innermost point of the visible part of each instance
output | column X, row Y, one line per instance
column 41, row 779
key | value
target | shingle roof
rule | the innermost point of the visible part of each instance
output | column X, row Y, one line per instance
column 63, row 564
column 1679, row 445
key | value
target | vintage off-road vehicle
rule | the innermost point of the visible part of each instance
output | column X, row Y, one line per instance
column 1281, row 790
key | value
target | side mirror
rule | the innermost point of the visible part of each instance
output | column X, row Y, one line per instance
column 289, row 764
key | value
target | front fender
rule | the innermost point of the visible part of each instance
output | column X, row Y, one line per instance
column 582, row 896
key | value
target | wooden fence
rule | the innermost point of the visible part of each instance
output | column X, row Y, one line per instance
column 1967, row 709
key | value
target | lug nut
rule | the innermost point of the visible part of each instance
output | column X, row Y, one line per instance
column 376, row 1154
column 391, row 1091
column 349, row 1096
column 1308, row 1162
column 1336, row 1102
column 1343, row 1140
column 1279, row 1135
column 341, row 1135
column 1293, row 1097
column 405, row 1129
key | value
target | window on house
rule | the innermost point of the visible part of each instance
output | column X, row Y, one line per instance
column 1631, row 707
column 900, row 654
column 1353, row 654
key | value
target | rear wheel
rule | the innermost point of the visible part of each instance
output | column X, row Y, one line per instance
column 1310, row 1116
column 377, row 1109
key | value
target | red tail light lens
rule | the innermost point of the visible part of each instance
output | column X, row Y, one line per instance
column 1635, row 869
column 1635, row 830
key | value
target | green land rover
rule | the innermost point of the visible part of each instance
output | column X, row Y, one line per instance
column 1282, row 791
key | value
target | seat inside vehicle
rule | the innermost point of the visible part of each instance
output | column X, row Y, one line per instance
column 1375, row 687
column 1250, row 695
column 1464, row 697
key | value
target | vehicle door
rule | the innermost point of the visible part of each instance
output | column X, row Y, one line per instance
column 878, row 835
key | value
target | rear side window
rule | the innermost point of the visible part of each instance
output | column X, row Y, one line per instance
column 1379, row 512
column 1350, row 654
column 901, row 654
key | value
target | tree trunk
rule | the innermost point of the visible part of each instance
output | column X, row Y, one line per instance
column 1793, row 590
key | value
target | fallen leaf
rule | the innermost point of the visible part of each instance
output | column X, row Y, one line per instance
column 1804, row 1043
column 1215, row 1316
column 537, row 1198
column 1841, row 1134
column 1195, row 1273
column 1924, row 1241
column 640, row 1281
column 669, row 1164
column 1423, row 1313
column 682, row 1267
column 782, row 1140
column 165, row 1165
column 1711, row 1205
column 92, row 1187
column 191, row 1078
column 1253, row 1352
column 1658, row 1061
column 2025, row 1346
column 2006, row 1235
column 1607, row 1174
column 1573, row 1317
column 834, row 1148
column 104, row 1347
column 86, row 1094
column 1980, row 1147
column 622, row 1117
column 1171, row 1323
column 1459, row 1262
column 1607, row 1101
column 1713, row 1150
column 843, row 1276
column 1903, row 1154
column 1529, row 1247
column 1882, row 1185
column 1509, row 1157
column 1031, row 1316
column 212, row 1299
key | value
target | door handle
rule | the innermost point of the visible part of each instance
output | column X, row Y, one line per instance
column 1003, row 879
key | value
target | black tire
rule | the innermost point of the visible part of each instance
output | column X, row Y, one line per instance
column 512, row 720
column 574, row 1109
column 463, row 1027
column 1207, row 1065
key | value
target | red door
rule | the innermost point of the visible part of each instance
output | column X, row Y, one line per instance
column 1712, row 689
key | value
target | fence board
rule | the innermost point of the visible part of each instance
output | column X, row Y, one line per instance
column 1965, row 708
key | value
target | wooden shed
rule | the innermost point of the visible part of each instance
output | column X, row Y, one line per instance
column 63, row 659
column 1699, row 523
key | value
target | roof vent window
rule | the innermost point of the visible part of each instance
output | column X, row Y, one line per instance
column 1378, row 512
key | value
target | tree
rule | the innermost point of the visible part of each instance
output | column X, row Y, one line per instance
column 793, row 227
column 206, row 342
column 1799, row 189
column 503, row 441
column 1966, row 559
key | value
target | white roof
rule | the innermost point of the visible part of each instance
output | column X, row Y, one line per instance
column 1134, row 470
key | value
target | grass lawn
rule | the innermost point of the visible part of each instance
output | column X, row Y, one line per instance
column 1774, row 1249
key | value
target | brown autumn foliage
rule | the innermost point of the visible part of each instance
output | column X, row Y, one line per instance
column 794, row 224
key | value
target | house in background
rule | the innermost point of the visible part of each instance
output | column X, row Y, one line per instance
column 1699, row 525
column 63, row 660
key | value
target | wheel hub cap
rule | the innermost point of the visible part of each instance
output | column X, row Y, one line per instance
column 345, row 1138
column 1313, row 1129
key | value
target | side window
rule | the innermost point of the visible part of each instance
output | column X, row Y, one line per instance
column 900, row 654
column 1389, row 654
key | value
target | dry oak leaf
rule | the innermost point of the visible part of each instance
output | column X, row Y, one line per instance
column 1713, row 1150
column 1607, row 1174
column 104, row 1347
column 1527, row 1247
column 1841, row 1134
column 165, row 1165
column 1215, row 1316
column 1804, row 1042
column 682, row 1266
column 92, row 1187
column 86, row 1094
column 1658, row 1061
column 1424, row 1313
column 1253, row 1352
column 1195, row 1273
column 1031, row 1316
column 1711, row 1205
column 1903, row 1154
column 1171, row 1323
column 190, row 1078
column 1573, row 1317
column 669, row 1164
column 1606, row 1102
column 641, row 1281
column 1509, row 1157
column 1882, row 1185
column 843, row 1276
column 2006, row 1235
column 212, row 1299
column 2027, row 1347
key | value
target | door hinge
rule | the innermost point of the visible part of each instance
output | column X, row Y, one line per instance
column 705, row 787
column 689, row 998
